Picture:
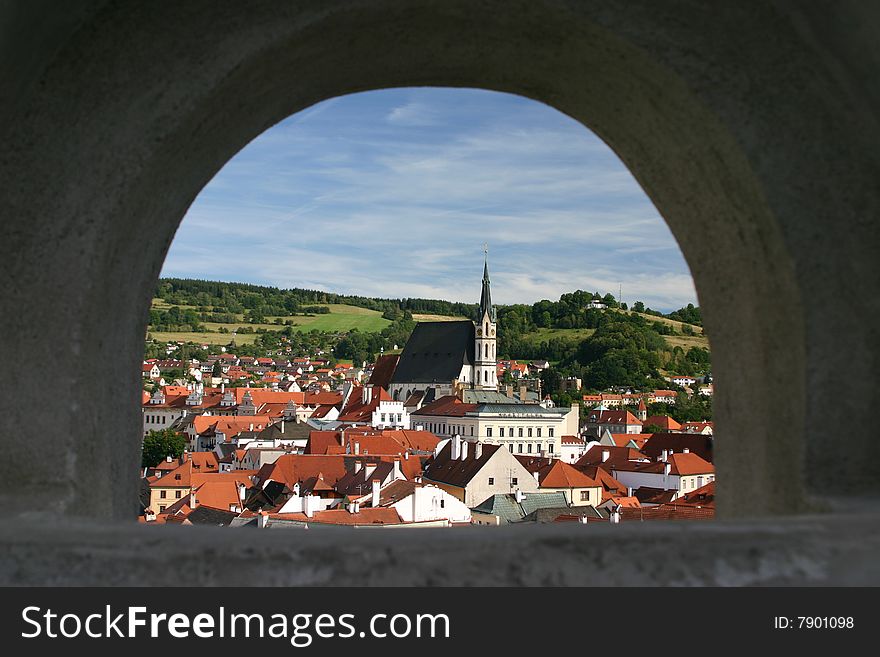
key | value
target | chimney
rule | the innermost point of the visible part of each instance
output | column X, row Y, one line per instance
column 518, row 496
column 252, row 427
column 606, row 454
column 242, row 491
column 357, row 507
column 371, row 468
column 455, row 447
column 262, row 519
column 307, row 506
column 168, row 458
column 522, row 393
column 374, row 500
column 615, row 515
column 686, row 450
column 464, row 450
column 282, row 426
column 357, row 448
column 509, row 390
column 667, row 467
column 537, row 478
column 478, row 450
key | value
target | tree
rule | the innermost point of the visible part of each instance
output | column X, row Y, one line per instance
column 639, row 307
column 160, row 444
column 652, row 428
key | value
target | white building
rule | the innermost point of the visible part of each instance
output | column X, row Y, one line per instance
column 390, row 414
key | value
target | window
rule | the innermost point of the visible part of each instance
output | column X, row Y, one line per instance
column 530, row 432
column 514, row 481
column 488, row 432
column 519, row 448
column 585, row 496
column 530, row 448
column 550, row 447
column 491, row 481
column 501, row 432
column 382, row 417
column 472, row 430
column 539, row 431
column 511, row 447
column 163, row 494
column 442, row 503
column 520, row 432
column 177, row 494
column 161, row 509
column 550, row 432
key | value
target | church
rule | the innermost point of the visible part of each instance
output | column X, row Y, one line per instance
column 446, row 358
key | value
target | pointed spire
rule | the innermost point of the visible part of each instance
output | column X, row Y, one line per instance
column 486, row 296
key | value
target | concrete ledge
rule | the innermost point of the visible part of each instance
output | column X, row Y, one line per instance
column 826, row 550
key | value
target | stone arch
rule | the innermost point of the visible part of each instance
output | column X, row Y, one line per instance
column 754, row 131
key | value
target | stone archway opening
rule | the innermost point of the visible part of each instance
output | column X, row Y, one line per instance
column 308, row 204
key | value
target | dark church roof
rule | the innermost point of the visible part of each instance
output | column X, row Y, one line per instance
column 436, row 351
column 486, row 296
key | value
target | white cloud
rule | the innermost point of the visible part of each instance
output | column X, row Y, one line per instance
column 392, row 193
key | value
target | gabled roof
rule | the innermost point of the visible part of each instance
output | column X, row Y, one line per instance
column 620, row 416
column 436, row 352
column 508, row 509
column 383, row 370
column 448, row 406
column 457, row 472
column 697, row 443
column 293, row 468
column 556, row 473
column 663, row 421
column 703, row 496
column 616, row 456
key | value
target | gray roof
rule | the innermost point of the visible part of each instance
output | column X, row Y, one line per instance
column 506, row 507
column 486, row 396
column 435, row 352
column 521, row 409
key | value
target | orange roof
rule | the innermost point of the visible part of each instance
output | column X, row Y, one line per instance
column 292, row 468
column 230, row 424
column 562, row 475
column 690, row 464
column 218, row 494
column 663, row 421
column 626, row 502
column 447, row 406
column 173, row 391
column 622, row 439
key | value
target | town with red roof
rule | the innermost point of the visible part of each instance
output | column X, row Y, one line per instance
column 442, row 434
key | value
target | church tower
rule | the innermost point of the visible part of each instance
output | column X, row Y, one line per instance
column 485, row 373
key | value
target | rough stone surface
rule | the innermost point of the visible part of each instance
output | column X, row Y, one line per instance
column 801, row 551
column 753, row 129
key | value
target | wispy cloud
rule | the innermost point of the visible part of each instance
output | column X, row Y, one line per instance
column 392, row 193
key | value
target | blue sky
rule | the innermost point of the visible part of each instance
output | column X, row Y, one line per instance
column 392, row 193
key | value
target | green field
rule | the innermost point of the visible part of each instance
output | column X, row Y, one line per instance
column 545, row 334
column 424, row 317
column 341, row 318
column 683, row 341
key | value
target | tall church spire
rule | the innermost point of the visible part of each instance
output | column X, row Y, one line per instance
column 486, row 296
